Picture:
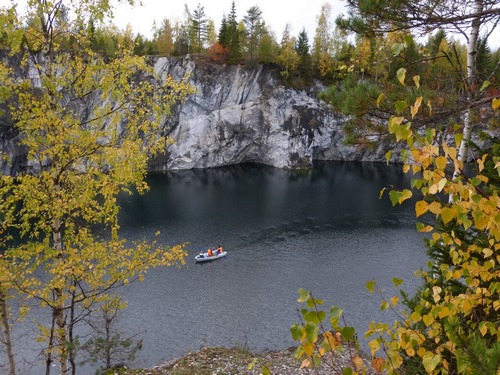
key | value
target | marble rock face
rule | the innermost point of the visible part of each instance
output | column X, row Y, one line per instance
column 239, row 114
column 243, row 114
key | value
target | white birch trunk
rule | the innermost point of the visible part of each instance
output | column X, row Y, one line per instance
column 471, row 80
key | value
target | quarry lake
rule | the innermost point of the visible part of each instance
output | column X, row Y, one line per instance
column 323, row 229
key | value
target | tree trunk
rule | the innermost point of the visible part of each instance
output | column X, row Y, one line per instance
column 71, row 326
column 108, row 341
column 58, row 310
column 471, row 83
column 48, row 360
column 6, row 331
column 60, row 319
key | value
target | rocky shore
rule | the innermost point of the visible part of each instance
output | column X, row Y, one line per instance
column 212, row 361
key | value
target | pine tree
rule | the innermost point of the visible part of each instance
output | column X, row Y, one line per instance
column 233, row 35
column 254, row 25
column 302, row 49
column 199, row 28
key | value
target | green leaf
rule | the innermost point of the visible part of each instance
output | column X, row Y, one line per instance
column 381, row 193
column 397, row 48
column 335, row 312
column 296, row 331
column 265, row 371
column 311, row 332
column 397, row 282
column 395, row 196
column 400, row 106
column 370, row 285
column 401, row 75
column 430, row 361
column 430, row 134
column 347, row 371
column 303, row 295
column 394, row 122
column 485, row 85
column 388, row 156
column 348, row 333
column 251, row 365
column 314, row 317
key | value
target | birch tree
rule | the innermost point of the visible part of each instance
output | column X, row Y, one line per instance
column 469, row 19
column 88, row 125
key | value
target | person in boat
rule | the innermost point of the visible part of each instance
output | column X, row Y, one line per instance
column 219, row 250
column 210, row 252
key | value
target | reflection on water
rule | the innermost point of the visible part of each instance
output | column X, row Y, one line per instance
column 324, row 229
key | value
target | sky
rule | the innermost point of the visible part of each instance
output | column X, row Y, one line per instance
column 276, row 13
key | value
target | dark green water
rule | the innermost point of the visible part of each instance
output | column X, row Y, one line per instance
column 325, row 230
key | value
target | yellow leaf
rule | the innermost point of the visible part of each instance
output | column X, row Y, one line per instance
column 426, row 229
column 435, row 208
column 487, row 252
column 421, row 351
column 428, row 320
column 308, row 348
column 357, row 362
column 416, row 79
column 374, row 346
column 429, row 105
column 483, row 329
column 445, row 311
column 442, row 184
column 450, row 152
column 394, row 300
column 305, row 363
column 421, row 208
column 415, row 317
column 480, row 164
column 405, row 194
column 388, row 156
column 436, row 290
column 467, row 306
column 414, row 108
column 448, row 214
column 495, row 104
column 441, row 162
column 401, row 74
column 379, row 99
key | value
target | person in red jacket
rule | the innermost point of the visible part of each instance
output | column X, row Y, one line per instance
column 219, row 250
column 210, row 252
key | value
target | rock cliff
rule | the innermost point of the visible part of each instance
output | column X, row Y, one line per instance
column 244, row 114
column 239, row 114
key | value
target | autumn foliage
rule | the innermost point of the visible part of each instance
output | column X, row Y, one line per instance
column 452, row 325
column 217, row 53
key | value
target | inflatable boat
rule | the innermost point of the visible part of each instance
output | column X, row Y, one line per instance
column 203, row 257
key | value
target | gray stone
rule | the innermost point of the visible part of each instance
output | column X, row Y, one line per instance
column 239, row 114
